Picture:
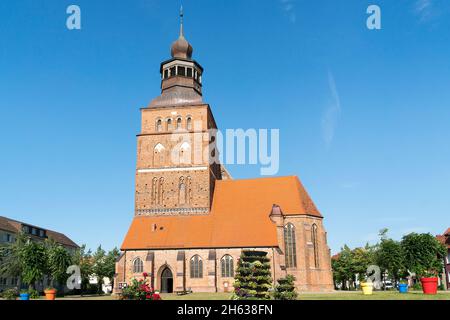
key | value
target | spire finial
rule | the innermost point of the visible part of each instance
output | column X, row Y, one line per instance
column 181, row 21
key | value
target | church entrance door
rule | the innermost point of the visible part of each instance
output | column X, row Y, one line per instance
column 166, row 281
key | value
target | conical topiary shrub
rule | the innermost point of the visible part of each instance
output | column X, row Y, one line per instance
column 285, row 290
column 253, row 277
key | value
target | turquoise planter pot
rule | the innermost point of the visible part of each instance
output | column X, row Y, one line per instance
column 24, row 296
column 403, row 288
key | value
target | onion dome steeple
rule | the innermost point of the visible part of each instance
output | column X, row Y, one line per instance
column 181, row 76
column 181, row 48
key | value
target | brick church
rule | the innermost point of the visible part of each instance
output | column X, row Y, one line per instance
column 192, row 220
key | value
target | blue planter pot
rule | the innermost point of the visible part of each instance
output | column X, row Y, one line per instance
column 24, row 296
column 403, row 288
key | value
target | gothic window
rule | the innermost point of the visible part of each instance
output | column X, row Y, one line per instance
column 185, row 153
column 182, row 192
column 189, row 123
column 315, row 245
column 169, row 124
column 178, row 123
column 158, row 125
column 226, row 265
column 290, row 246
column 158, row 155
column 196, row 267
column 138, row 266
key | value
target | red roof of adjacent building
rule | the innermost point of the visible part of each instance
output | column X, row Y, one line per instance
column 239, row 217
column 445, row 238
column 15, row 227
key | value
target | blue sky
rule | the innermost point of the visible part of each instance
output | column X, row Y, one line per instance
column 364, row 116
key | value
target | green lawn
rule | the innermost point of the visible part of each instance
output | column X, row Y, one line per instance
column 337, row 295
column 377, row 295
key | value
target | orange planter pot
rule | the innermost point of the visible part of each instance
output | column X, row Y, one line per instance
column 50, row 294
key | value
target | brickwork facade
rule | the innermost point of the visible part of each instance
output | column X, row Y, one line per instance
column 176, row 176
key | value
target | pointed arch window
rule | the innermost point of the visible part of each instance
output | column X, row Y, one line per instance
column 290, row 246
column 158, row 155
column 185, row 153
column 315, row 245
column 196, row 266
column 179, row 123
column 189, row 123
column 138, row 265
column 226, row 265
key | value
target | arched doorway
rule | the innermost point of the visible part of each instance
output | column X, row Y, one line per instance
column 166, row 281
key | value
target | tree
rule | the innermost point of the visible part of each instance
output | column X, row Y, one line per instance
column 83, row 259
column 10, row 264
column 58, row 260
column 110, row 264
column 342, row 268
column 285, row 290
column 32, row 258
column 423, row 254
column 390, row 257
column 350, row 263
column 362, row 259
column 253, row 276
column 99, row 267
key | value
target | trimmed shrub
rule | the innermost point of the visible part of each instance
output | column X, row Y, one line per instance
column 253, row 277
column 285, row 290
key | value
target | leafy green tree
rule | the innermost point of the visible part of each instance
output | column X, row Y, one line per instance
column 33, row 261
column 99, row 267
column 83, row 259
column 110, row 264
column 390, row 257
column 58, row 260
column 10, row 264
column 423, row 254
column 352, row 263
column 342, row 268
column 362, row 259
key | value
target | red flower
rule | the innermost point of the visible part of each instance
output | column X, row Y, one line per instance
column 145, row 274
column 149, row 296
column 156, row 296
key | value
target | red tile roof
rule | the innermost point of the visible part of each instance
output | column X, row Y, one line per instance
column 239, row 217
column 444, row 238
column 15, row 226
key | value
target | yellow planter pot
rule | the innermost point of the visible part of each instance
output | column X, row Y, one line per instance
column 367, row 287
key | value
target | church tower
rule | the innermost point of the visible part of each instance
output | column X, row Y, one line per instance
column 176, row 171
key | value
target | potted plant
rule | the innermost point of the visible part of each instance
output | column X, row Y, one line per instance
column 24, row 295
column 50, row 293
column 429, row 282
column 403, row 286
column 424, row 256
column 366, row 285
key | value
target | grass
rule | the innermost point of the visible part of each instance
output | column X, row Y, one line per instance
column 337, row 295
column 377, row 295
